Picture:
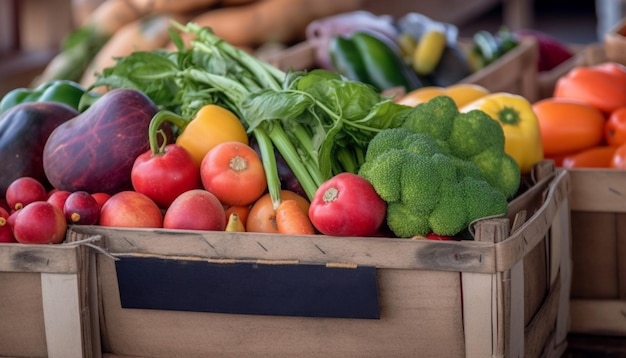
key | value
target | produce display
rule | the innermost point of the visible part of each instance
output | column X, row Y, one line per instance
column 206, row 136
column 582, row 123
column 416, row 51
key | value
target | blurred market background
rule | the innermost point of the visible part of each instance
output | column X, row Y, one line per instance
column 31, row 31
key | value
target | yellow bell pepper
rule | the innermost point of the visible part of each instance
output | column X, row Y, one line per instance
column 520, row 125
column 461, row 93
column 211, row 125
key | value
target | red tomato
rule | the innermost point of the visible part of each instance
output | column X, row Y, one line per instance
column 163, row 177
column 347, row 205
column 602, row 86
column 234, row 173
column 615, row 127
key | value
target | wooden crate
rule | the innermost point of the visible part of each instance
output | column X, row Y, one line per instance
column 514, row 72
column 504, row 294
column 45, row 310
column 598, row 212
column 615, row 42
column 584, row 56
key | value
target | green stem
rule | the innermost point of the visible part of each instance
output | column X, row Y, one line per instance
column 347, row 160
column 290, row 154
column 269, row 164
column 155, row 125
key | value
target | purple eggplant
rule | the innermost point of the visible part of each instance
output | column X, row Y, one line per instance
column 24, row 130
column 96, row 150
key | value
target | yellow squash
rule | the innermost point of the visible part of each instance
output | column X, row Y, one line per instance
column 519, row 123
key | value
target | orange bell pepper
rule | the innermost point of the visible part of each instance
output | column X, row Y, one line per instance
column 602, row 86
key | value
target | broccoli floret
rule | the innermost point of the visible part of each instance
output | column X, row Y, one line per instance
column 474, row 131
column 434, row 117
column 449, row 217
column 501, row 171
column 480, row 200
column 405, row 221
column 470, row 136
column 401, row 138
column 427, row 190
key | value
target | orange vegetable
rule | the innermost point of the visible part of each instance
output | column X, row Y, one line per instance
column 602, row 86
column 568, row 126
column 615, row 127
column 262, row 216
column 461, row 93
column 596, row 157
column 619, row 158
column 260, row 22
column 234, row 173
column 291, row 220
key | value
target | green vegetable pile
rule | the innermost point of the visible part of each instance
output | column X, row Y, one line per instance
column 441, row 169
column 319, row 122
column 437, row 169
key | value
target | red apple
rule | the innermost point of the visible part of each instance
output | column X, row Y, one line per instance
column 58, row 197
column 23, row 191
column 196, row 209
column 40, row 223
column 131, row 209
column 81, row 208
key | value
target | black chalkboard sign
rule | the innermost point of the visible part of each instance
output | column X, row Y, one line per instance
column 308, row 290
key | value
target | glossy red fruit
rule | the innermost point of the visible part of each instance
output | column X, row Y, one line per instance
column 23, row 191
column 40, row 223
column 81, row 209
column 58, row 197
column 196, row 209
column 6, row 231
column 131, row 209
column 101, row 198
column 164, row 176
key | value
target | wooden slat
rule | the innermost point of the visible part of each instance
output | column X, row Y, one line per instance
column 621, row 254
column 521, row 242
column 601, row 190
column 600, row 317
column 58, row 258
column 484, row 308
column 62, row 315
column 379, row 252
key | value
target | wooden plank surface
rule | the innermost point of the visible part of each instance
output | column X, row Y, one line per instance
column 599, row 317
column 602, row 190
column 58, row 258
column 62, row 315
column 420, row 316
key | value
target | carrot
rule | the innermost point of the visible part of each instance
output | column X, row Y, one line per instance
column 270, row 20
column 146, row 34
column 290, row 219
